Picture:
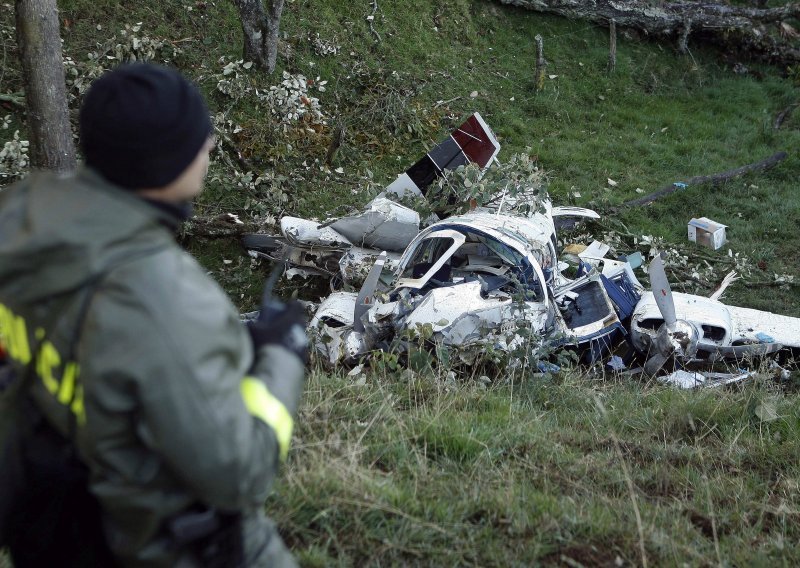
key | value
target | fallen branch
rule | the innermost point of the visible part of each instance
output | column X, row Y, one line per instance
column 770, row 284
column 784, row 114
column 699, row 180
column 738, row 27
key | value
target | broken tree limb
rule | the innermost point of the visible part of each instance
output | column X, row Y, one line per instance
column 699, row 180
column 738, row 27
column 784, row 114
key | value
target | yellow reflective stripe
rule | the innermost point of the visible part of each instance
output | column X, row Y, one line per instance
column 14, row 336
column 46, row 362
column 77, row 407
column 262, row 404
column 67, row 388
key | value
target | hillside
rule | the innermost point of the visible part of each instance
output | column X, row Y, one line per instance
column 399, row 467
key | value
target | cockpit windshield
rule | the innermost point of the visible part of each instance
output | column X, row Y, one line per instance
column 448, row 257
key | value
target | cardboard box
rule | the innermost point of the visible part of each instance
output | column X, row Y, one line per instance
column 707, row 233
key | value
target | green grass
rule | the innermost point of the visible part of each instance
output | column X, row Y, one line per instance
column 395, row 472
column 423, row 470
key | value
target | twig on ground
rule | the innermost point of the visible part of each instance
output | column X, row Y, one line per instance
column 371, row 18
column 440, row 103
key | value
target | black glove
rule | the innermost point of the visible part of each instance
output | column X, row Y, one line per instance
column 281, row 324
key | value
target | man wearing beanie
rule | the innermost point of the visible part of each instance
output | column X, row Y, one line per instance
column 129, row 359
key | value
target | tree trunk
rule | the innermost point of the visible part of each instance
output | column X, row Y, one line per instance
column 736, row 27
column 39, row 41
column 261, row 29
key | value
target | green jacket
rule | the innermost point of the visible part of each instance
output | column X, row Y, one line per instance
column 157, row 396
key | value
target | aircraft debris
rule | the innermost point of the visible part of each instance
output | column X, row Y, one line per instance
column 492, row 279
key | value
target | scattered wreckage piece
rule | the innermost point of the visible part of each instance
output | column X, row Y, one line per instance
column 383, row 225
column 695, row 379
column 313, row 249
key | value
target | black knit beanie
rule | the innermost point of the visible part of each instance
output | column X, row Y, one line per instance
column 141, row 125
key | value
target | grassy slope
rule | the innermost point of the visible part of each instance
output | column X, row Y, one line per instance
column 437, row 472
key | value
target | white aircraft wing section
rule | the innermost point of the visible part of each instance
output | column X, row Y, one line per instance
column 764, row 327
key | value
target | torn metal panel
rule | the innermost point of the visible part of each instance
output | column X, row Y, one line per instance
column 309, row 261
column 596, row 250
column 384, row 225
column 693, row 379
column 355, row 264
column 570, row 211
column 336, row 310
column 461, row 314
column 298, row 230
column 304, row 273
column 332, row 326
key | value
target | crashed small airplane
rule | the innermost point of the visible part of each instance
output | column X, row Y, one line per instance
column 491, row 277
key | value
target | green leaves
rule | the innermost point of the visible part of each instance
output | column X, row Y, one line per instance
column 517, row 186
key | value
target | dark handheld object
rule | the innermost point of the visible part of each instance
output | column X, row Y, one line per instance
column 279, row 323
